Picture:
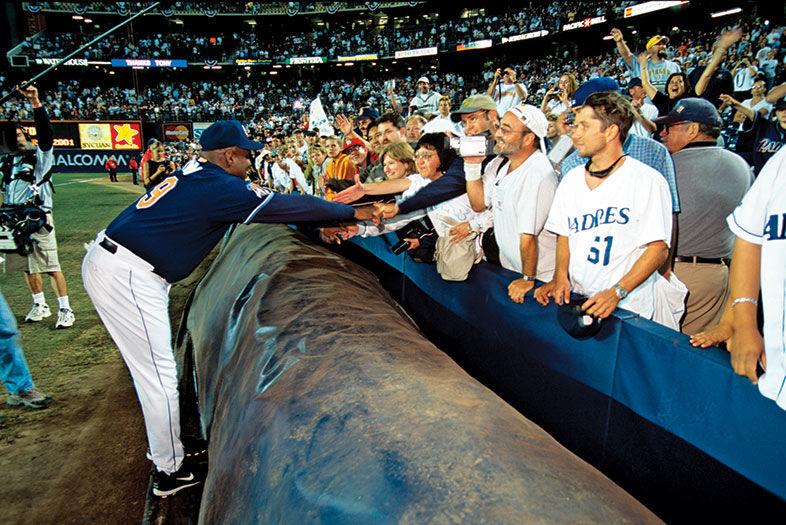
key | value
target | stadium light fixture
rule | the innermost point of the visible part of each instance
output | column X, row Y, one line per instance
column 675, row 28
column 607, row 37
column 733, row 11
column 77, row 17
column 88, row 21
column 274, row 72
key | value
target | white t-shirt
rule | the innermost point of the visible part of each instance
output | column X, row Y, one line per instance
column 762, row 104
column 506, row 97
column 649, row 112
column 743, row 79
column 761, row 219
column 608, row 229
column 520, row 201
column 428, row 103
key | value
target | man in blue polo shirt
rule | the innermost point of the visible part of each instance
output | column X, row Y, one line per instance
column 159, row 240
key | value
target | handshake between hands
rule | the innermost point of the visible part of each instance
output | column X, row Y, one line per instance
column 374, row 212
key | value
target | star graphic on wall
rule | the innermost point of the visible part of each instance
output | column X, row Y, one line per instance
column 125, row 133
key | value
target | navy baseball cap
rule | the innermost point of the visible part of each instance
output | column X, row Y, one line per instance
column 577, row 323
column 225, row 134
column 692, row 110
column 593, row 86
column 780, row 103
column 635, row 81
column 367, row 112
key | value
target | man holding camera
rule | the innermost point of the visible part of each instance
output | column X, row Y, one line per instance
column 478, row 114
column 518, row 186
column 29, row 179
column 507, row 93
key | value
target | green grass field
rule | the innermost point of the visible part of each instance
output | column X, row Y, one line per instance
column 83, row 205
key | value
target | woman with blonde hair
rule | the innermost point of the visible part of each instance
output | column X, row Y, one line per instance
column 398, row 161
column 557, row 98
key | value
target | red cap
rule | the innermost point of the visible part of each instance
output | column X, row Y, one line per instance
column 354, row 141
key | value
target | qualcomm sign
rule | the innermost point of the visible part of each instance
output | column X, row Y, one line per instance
column 84, row 161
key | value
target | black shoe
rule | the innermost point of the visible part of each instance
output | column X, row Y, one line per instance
column 167, row 484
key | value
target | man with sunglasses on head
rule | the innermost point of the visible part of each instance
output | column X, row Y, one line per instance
column 128, row 275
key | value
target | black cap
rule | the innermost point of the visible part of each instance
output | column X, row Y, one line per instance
column 577, row 323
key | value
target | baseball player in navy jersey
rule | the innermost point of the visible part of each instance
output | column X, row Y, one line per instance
column 159, row 240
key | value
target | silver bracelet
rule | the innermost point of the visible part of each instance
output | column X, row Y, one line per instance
column 735, row 302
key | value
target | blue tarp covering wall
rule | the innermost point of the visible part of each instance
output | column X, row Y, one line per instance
column 670, row 423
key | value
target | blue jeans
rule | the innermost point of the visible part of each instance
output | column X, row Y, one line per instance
column 13, row 367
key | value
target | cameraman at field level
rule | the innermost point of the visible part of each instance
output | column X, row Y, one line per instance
column 28, row 177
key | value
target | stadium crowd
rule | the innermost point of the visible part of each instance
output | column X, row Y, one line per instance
column 730, row 79
column 274, row 41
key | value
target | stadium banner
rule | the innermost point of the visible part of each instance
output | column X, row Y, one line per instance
column 95, row 136
column 66, row 133
column 126, row 136
column 421, row 52
column 477, row 44
column 108, row 135
column 306, row 60
column 174, row 131
column 357, row 58
column 525, row 36
column 587, row 22
column 253, row 61
column 53, row 61
column 198, row 128
column 91, row 161
column 649, row 7
column 149, row 62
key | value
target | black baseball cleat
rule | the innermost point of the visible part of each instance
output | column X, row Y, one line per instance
column 167, row 484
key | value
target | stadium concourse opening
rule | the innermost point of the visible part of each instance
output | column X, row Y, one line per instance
column 342, row 101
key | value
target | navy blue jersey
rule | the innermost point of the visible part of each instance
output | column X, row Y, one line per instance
column 760, row 141
column 450, row 185
column 178, row 221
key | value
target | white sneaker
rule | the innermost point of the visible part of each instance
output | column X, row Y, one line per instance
column 65, row 318
column 37, row 313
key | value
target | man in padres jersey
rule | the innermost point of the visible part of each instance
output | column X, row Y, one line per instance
column 759, row 262
column 159, row 240
column 613, row 221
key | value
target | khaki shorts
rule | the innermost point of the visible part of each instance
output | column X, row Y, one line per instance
column 44, row 257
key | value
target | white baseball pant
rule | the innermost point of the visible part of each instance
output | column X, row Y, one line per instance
column 132, row 302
